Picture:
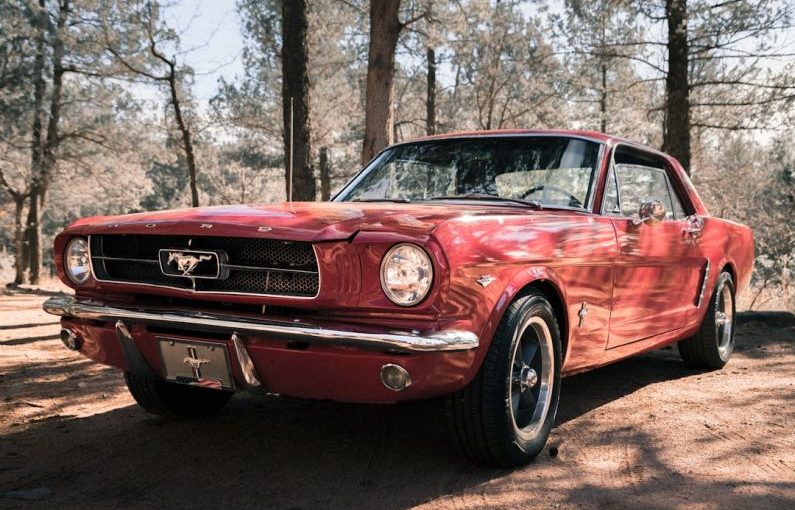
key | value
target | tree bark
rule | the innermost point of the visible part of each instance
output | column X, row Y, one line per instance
column 19, row 239
column 603, row 99
column 430, row 102
column 295, row 102
column 325, row 175
column 20, row 254
column 32, row 244
column 184, row 129
column 676, row 140
column 385, row 29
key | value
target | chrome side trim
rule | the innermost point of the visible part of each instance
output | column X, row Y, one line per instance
column 399, row 341
column 703, row 286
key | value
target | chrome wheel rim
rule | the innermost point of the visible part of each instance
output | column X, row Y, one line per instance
column 724, row 320
column 531, row 377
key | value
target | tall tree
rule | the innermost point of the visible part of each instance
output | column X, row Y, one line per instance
column 504, row 67
column 21, row 50
column 56, row 100
column 676, row 136
column 431, row 40
column 599, row 39
column 150, row 61
column 295, row 102
column 385, row 27
column 430, row 96
column 44, row 147
column 715, row 71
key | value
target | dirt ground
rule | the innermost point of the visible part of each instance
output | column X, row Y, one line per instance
column 644, row 433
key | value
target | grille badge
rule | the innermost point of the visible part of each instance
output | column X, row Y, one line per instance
column 193, row 263
column 186, row 263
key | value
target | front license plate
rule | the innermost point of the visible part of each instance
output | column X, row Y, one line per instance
column 196, row 363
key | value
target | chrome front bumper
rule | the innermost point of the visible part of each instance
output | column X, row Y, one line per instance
column 396, row 341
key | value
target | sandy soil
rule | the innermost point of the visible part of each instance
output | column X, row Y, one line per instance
column 644, row 433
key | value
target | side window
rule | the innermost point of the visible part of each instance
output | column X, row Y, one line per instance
column 638, row 184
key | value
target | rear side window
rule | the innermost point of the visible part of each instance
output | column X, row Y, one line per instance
column 638, row 184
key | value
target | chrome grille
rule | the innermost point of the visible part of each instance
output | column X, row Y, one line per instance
column 255, row 266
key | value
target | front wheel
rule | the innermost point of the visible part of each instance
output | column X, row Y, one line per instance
column 713, row 344
column 504, row 416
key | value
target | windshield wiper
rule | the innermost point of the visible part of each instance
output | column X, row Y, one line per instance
column 397, row 200
column 494, row 198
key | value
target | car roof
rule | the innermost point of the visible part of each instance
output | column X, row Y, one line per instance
column 595, row 136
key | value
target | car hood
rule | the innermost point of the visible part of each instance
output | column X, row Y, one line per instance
column 300, row 221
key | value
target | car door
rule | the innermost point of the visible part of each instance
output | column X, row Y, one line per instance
column 656, row 261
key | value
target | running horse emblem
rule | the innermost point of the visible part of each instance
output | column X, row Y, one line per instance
column 186, row 263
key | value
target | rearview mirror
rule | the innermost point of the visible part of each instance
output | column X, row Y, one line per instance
column 651, row 212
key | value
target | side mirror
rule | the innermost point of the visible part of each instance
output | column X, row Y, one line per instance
column 651, row 212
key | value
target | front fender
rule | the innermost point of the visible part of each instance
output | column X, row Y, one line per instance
column 485, row 307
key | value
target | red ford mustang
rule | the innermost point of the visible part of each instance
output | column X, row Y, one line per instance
column 479, row 266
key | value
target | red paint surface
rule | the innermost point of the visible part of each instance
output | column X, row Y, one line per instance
column 640, row 284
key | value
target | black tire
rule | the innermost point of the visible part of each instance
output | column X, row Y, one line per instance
column 713, row 344
column 174, row 400
column 481, row 416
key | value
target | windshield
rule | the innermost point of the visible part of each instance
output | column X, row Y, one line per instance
column 553, row 171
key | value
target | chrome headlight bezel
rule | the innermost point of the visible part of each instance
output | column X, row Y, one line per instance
column 427, row 266
column 77, row 251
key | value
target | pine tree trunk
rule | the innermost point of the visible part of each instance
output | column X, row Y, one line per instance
column 385, row 29
column 430, row 102
column 603, row 99
column 19, row 239
column 184, row 129
column 676, row 141
column 33, row 237
column 325, row 175
column 295, row 93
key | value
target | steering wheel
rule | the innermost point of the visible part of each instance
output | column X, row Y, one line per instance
column 573, row 201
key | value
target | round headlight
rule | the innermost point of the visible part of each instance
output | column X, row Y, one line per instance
column 406, row 274
column 76, row 261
